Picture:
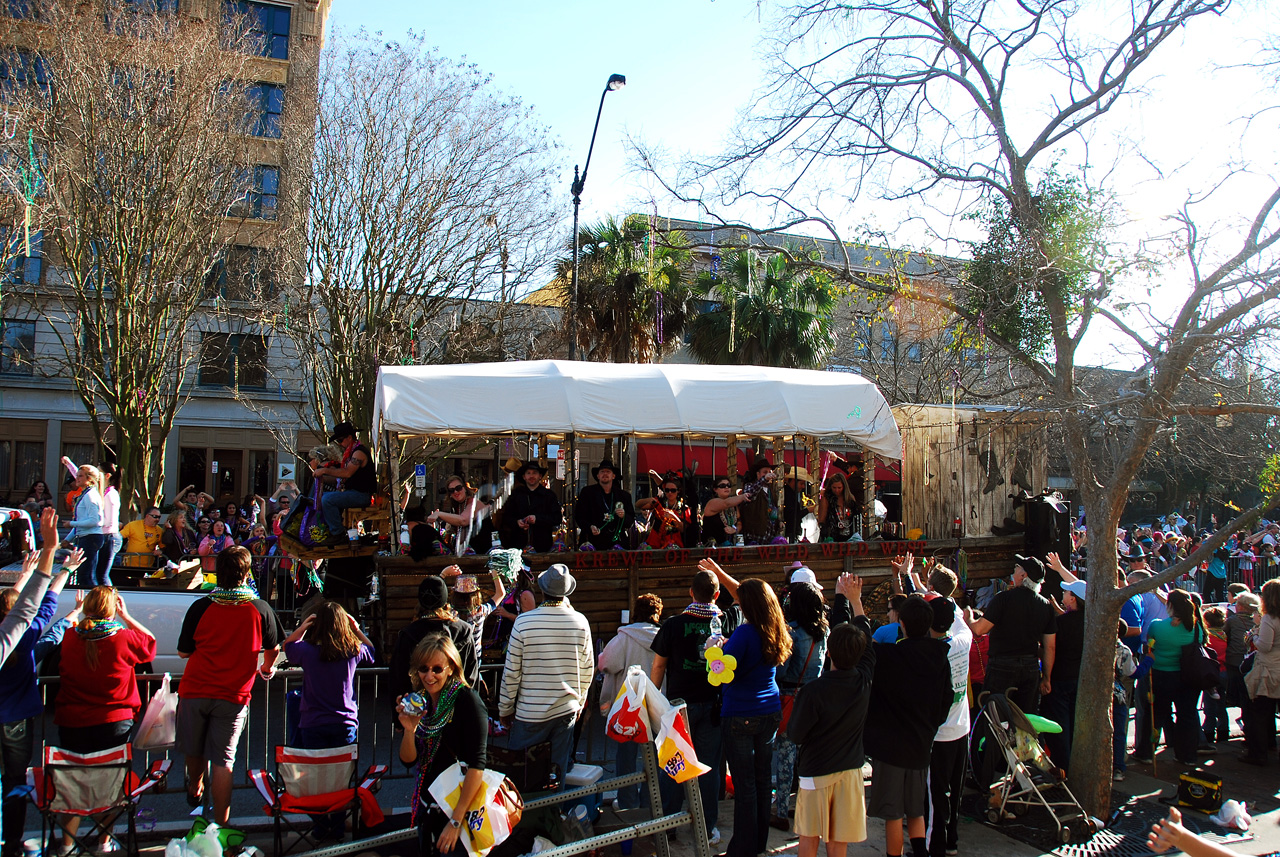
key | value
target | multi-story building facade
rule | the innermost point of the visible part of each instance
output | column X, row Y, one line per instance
column 244, row 407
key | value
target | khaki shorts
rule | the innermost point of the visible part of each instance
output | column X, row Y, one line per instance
column 834, row 810
column 210, row 729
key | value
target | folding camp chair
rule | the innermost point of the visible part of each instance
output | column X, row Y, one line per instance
column 317, row 782
column 98, row 786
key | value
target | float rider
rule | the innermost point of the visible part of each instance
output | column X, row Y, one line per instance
column 355, row 480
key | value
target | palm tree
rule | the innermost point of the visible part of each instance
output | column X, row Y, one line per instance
column 768, row 311
column 633, row 293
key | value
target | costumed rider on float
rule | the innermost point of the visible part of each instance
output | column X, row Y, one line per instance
column 355, row 481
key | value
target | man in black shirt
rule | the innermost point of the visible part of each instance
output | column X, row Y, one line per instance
column 603, row 512
column 436, row 618
column 1023, row 633
column 532, row 512
column 678, row 657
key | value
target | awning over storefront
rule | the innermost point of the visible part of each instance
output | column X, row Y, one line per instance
column 649, row 400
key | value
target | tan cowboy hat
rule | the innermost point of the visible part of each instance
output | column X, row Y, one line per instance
column 794, row 472
column 466, row 584
column 512, row 464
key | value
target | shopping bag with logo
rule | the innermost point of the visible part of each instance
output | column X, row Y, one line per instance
column 159, row 722
column 629, row 717
column 675, row 747
column 492, row 816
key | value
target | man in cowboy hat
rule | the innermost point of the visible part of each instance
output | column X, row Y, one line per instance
column 760, row 518
column 548, row 671
column 604, row 512
column 355, row 478
column 532, row 512
column 792, row 502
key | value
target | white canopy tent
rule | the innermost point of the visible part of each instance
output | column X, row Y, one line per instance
column 647, row 400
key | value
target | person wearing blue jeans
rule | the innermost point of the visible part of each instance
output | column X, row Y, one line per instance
column 558, row 730
column 705, row 729
column 355, row 480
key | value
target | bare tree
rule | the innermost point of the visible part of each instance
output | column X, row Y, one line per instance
column 909, row 100
column 134, row 123
column 429, row 185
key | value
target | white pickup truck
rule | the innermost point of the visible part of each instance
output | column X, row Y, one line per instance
column 162, row 611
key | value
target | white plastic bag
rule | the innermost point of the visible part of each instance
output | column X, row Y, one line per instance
column 159, row 724
column 487, row 824
column 638, row 709
column 203, row 844
column 676, row 756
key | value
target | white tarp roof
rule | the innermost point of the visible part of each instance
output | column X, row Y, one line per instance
column 663, row 399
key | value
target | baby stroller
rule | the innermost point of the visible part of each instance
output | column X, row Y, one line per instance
column 1002, row 733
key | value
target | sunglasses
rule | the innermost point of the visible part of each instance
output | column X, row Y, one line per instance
column 435, row 670
column 672, row 490
column 726, row 485
column 455, row 489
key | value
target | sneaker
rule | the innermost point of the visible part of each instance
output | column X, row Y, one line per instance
column 1142, row 760
column 1117, row 777
column 714, row 838
column 952, row 852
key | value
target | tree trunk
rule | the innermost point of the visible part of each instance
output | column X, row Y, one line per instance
column 1091, row 747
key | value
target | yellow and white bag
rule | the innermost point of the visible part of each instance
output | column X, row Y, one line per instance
column 496, row 810
column 675, row 747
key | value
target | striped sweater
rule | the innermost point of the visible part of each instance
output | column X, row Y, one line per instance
column 549, row 665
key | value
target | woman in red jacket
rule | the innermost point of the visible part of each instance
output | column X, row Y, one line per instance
column 98, row 697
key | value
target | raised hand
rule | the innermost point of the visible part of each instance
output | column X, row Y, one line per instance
column 74, row 560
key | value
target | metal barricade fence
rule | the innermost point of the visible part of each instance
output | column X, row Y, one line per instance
column 1252, row 572
column 268, row 720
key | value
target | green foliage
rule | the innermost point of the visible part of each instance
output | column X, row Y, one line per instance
column 1053, row 247
column 622, row 269
column 773, row 312
column 1269, row 478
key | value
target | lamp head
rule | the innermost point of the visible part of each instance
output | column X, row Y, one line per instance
column 616, row 82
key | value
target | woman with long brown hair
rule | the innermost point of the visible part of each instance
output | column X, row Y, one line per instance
column 98, row 697
column 836, row 509
column 751, row 708
column 1263, row 681
column 444, row 721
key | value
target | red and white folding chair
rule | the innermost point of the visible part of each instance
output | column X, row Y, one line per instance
column 98, row 786
column 317, row 782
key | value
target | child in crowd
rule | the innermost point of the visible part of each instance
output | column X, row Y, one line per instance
column 1217, row 727
column 329, row 646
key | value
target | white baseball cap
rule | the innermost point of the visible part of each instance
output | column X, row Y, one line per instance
column 804, row 574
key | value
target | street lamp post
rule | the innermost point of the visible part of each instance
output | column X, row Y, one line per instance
column 616, row 82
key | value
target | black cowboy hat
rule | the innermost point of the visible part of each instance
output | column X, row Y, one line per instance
column 529, row 465
column 607, row 464
column 760, row 464
column 343, row 429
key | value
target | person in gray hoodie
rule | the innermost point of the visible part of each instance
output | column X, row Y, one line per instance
column 629, row 647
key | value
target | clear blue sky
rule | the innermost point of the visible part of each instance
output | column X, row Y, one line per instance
column 690, row 66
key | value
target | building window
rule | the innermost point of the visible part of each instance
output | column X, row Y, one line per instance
column 19, row 70
column 233, row 360
column 266, row 105
column 261, row 184
column 888, row 343
column 26, row 10
column 242, row 274
column 21, row 465
column 268, row 26
column 17, row 346
column 862, row 337
column 16, row 266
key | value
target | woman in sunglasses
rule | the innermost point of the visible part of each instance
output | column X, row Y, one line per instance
column 463, row 511
column 444, row 722
column 670, row 516
column 720, row 524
